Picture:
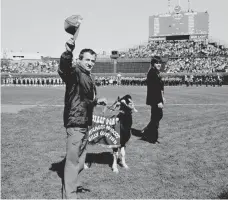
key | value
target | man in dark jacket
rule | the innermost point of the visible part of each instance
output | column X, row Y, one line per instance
column 155, row 92
column 80, row 99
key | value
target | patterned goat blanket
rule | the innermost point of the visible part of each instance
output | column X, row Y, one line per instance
column 105, row 129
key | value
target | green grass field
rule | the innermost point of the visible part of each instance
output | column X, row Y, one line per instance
column 190, row 162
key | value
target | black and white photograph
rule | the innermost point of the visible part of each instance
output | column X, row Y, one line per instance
column 114, row 99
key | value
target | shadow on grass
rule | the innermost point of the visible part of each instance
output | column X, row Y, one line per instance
column 100, row 158
column 136, row 132
column 58, row 167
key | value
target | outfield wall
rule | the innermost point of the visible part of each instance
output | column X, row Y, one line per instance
column 137, row 65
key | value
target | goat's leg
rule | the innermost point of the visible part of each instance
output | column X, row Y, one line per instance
column 123, row 153
column 86, row 166
column 115, row 157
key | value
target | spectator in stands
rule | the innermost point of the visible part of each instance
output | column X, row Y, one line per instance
column 80, row 99
column 176, row 48
column 155, row 99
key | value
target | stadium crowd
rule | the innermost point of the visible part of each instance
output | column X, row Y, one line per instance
column 183, row 56
column 184, row 64
column 197, row 65
column 176, row 49
column 29, row 67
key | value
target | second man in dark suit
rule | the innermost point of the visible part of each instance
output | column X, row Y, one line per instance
column 155, row 99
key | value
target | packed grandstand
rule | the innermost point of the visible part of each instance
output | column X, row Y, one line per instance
column 181, row 40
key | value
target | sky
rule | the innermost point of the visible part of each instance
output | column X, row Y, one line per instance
column 38, row 25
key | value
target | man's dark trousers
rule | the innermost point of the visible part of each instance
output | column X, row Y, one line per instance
column 151, row 131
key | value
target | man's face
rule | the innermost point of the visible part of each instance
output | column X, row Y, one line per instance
column 88, row 61
column 158, row 66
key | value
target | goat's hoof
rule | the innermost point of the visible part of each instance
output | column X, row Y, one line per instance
column 126, row 167
column 116, row 171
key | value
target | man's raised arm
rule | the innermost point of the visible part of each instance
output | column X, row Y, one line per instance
column 65, row 67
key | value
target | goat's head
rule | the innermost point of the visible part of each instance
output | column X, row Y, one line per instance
column 125, row 104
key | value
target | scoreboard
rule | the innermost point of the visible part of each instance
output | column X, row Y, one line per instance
column 179, row 23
